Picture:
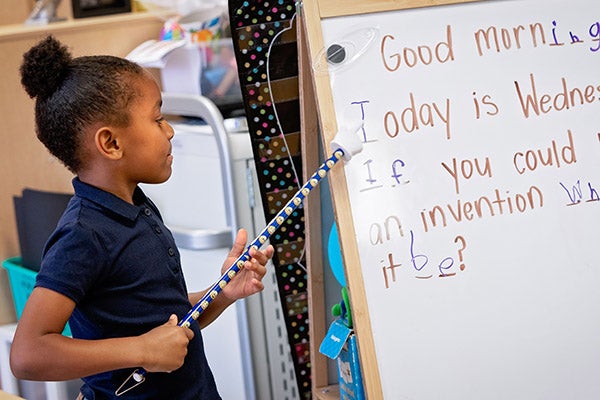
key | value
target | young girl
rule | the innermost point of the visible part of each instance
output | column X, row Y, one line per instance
column 112, row 267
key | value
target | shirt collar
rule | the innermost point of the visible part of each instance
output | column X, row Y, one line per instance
column 109, row 201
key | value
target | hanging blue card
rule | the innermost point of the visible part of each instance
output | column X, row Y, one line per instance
column 335, row 339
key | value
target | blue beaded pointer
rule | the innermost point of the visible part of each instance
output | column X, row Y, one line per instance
column 138, row 376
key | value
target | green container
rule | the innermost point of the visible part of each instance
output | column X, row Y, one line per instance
column 22, row 281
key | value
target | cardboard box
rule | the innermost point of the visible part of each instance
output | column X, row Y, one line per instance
column 340, row 345
column 349, row 375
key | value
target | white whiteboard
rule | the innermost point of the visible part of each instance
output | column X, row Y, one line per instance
column 521, row 319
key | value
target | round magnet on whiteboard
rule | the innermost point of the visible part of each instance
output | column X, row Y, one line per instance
column 344, row 50
column 334, row 254
column 336, row 54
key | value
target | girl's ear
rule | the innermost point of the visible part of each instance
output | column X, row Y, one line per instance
column 107, row 143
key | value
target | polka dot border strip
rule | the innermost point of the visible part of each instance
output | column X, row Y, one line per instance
column 267, row 59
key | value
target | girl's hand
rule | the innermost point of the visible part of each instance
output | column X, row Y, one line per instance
column 249, row 279
column 168, row 336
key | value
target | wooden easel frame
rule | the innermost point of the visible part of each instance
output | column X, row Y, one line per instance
column 317, row 101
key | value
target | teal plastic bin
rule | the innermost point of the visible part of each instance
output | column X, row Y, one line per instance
column 22, row 281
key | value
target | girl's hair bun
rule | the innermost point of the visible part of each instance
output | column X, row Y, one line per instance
column 44, row 68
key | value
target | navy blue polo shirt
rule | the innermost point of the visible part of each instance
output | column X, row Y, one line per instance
column 120, row 265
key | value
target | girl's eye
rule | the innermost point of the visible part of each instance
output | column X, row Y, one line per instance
column 160, row 120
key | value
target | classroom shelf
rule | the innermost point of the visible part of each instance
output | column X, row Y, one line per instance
column 331, row 392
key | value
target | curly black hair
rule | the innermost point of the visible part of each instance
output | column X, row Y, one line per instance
column 73, row 93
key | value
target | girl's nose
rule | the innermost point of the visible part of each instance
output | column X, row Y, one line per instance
column 170, row 131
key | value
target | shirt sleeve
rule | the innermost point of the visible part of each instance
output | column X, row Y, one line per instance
column 72, row 261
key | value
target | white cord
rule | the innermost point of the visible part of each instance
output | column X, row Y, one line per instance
column 279, row 123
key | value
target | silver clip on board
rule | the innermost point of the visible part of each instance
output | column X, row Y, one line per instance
column 342, row 52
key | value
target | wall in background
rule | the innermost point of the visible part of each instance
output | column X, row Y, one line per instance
column 25, row 162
